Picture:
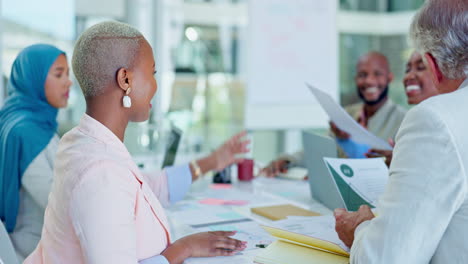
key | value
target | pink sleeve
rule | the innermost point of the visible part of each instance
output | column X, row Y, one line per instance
column 103, row 202
column 157, row 181
column 172, row 184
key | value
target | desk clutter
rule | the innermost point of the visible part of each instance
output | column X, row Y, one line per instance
column 276, row 227
column 279, row 218
column 303, row 240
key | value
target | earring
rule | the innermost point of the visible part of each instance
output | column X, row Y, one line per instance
column 127, row 101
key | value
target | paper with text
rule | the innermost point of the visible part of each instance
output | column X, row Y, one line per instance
column 321, row 227
column 345, row 122
column 359, row 181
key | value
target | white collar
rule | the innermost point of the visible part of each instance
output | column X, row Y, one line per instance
column 464, row 84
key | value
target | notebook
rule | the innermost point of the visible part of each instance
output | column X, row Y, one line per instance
column 282, row 252
column 302, row 240
column 278, row 212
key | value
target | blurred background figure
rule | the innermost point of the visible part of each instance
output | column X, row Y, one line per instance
column 376, row 112
column 39, row 85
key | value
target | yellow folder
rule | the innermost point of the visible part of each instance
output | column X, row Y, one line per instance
column 300, row 249
column 278, row 212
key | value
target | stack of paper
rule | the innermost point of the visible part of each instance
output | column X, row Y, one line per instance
column 304, row 240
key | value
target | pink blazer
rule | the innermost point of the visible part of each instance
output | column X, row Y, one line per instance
column 101, row 208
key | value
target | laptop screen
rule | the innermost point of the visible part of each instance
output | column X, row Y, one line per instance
column 321, row 184
column 172, row 146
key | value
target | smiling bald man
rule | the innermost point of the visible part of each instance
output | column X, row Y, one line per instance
column 377, row 113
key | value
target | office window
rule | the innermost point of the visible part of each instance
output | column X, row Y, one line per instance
column 46, row 21
column 207, row 95
column 380, row 5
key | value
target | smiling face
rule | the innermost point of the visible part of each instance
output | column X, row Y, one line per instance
column 372, row 78
column 417, row 81
column 143, row 84
column 57, row 85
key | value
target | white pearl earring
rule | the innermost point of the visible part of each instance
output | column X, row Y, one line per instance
column 127, row 101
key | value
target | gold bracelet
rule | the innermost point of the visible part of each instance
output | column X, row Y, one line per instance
column 196, row 168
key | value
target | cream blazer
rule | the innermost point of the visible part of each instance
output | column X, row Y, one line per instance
column 423, row 213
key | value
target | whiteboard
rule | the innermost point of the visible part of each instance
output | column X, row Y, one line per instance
column 290, row 42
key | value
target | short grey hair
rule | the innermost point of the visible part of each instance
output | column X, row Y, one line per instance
column 441, row 28
column 101, row 51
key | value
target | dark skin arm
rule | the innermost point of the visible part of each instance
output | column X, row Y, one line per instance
column 276, row 167
column 377, row 153
column 388, row 154
column 223, row 156
column 340, row 134
column 281, row 165
column 206, row 244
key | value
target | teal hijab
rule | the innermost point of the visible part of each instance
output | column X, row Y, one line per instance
column 27, row 123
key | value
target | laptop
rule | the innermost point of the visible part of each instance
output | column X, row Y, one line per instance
column 171, row 148
column 322, row 186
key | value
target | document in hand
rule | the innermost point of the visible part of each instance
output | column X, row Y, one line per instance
column 359, row 181
column 345, row 122
column 304, row 240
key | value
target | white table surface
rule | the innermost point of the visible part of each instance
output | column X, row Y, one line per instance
column 259, row 192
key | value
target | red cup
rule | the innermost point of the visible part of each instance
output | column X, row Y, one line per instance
column 245, row 170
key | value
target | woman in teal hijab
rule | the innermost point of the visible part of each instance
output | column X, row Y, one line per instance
column 39, row 84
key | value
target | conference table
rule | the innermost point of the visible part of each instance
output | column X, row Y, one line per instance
column 210, row 207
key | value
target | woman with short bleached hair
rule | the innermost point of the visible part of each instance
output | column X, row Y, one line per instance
column 102, row 209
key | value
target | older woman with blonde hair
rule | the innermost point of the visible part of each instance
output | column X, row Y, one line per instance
column 102, row 209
